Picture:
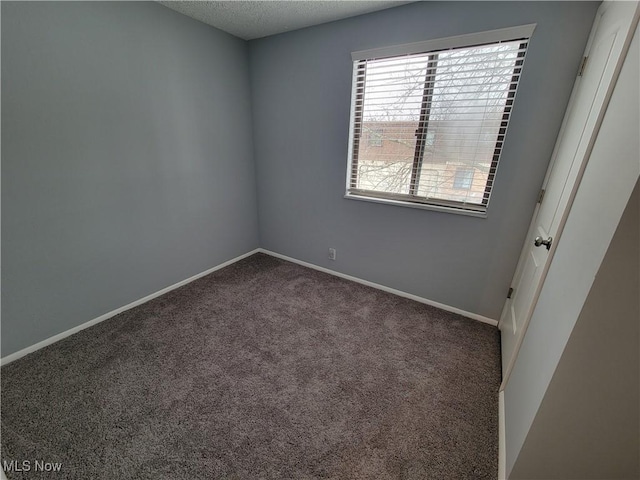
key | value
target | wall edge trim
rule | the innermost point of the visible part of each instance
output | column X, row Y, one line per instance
column 502, row 439
column 55, row 338
column 400, row 293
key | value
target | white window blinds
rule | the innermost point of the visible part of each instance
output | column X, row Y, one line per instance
column 428, row 127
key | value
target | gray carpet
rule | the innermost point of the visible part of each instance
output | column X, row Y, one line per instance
column 264, row 369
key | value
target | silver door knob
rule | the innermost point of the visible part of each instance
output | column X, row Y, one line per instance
column 539, row 241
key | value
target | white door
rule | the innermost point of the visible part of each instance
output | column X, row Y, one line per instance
column 610, row 37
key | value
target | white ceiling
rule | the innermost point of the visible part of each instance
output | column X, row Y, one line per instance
column 256, row 19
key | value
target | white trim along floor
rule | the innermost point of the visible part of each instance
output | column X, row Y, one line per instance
column 25, row 351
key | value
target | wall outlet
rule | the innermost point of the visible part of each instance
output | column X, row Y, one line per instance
column 332, row 254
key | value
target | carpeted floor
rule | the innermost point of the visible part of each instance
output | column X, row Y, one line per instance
column 264, row 369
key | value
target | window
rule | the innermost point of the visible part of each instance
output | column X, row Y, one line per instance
column 439, row 111
column 375, row 136
column 463, row 179
column 430, row 138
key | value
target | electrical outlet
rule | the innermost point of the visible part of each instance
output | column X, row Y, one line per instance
column 332, row 254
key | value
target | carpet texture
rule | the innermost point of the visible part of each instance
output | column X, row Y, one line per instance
column 264, row 369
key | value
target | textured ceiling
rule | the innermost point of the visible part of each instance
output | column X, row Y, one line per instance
column 256, row 19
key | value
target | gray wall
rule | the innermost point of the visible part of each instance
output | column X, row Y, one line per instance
column 128, row 161
column 587, row 425
column 126, row 158
column 301, row 88
column 588, row 233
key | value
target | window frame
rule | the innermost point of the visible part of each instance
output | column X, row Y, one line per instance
column 431, row 47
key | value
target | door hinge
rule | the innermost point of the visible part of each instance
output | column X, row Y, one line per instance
column 583, row 65
column 510, row 292
column 541, row 196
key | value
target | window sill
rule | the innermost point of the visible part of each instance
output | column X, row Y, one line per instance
column 423, row 206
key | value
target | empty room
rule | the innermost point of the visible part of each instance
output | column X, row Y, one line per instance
column 320, row 239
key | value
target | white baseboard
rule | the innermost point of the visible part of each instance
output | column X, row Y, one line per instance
column 400, row 293
column 25, row 351
column 502, row 441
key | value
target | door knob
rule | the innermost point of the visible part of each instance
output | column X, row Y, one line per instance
column 539, row 241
